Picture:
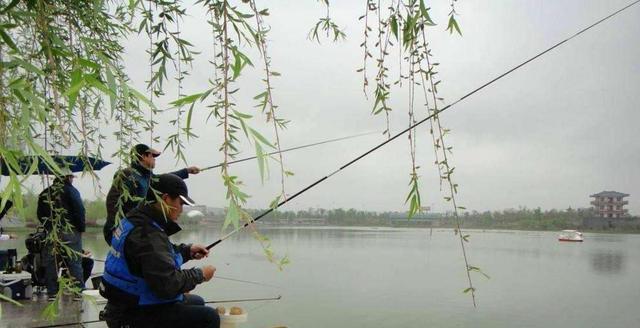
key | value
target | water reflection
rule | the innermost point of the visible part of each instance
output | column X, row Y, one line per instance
column 608, row 262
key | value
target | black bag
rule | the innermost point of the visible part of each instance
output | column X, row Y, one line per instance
column 35, row 241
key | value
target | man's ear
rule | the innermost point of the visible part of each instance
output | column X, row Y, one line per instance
column 166, row 200
column 164, row 206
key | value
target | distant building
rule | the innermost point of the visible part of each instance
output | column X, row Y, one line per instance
column 610, row 204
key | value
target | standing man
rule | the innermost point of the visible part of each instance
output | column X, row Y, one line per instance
column 143, row 280
column 4, row 211
column 131, row 184
column 61, row 211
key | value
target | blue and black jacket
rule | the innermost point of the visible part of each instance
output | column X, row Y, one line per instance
column 143, row 266
column 61, row 195
column 136, row 181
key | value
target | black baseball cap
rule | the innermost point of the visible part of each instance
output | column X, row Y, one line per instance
column 142, row 149
column 170, row 184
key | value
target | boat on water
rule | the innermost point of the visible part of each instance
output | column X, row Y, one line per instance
column 571, row 236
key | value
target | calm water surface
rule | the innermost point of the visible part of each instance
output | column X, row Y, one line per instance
column 380, row 277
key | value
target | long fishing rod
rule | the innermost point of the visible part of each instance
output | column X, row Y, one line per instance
column 277, row 298
column 420, row 122
column 81, row 323
column 290, row 149
column 97, row 274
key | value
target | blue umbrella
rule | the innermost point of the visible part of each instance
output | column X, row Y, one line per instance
column 73, row 163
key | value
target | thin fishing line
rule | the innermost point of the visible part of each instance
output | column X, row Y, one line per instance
column 246, row 281
column 422, row 121
column 290, row 149
column 259, row 306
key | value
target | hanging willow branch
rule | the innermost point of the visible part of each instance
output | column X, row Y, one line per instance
column 406, row 23
column 62, row 78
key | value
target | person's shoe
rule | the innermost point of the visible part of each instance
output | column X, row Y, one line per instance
column 51, row 298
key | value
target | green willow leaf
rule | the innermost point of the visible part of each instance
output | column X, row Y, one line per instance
column 261, row 138
column 425, row 14
column 453, row 25
column 394, row 26
column 88, row 63
column 10, row 6
column 111, row 83
column 28, row 66
column 7, row 39
column 10, row 300
column 77, row 82
column 261, row 159
column 140, row 96
column 232, row 217
column 186, row 100
column 274, row 203
column 92, row 81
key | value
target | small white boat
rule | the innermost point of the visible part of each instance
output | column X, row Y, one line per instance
column 194, row 214
column 571, row 235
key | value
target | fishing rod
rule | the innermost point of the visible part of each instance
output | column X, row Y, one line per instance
column 290, row 149
column 97, row 274
column 81, row 323
column 277, row 298
column 420, row 122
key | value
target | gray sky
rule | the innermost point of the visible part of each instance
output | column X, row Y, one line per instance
column 548, row 135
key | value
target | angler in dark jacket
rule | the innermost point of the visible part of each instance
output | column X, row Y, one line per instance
column 142, row 280
column 131, row 184
column 60, row 207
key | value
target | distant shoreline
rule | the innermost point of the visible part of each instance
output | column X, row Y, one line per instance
column 97, row 229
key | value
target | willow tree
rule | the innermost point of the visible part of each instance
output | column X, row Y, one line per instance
column 63, row 81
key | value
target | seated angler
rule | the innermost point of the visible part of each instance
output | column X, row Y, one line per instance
column 143, row 281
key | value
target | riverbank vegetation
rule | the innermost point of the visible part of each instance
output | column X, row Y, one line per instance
column 516, row 219
column 522, row 218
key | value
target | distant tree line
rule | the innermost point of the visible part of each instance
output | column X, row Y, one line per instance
column 94, row 210
column 520, row 219
column 525, row 219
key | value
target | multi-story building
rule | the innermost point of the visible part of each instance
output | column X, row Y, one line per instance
column 610, row 204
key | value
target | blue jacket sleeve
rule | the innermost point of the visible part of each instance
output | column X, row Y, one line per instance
column 77, row 212
column 184, row 174
column 184, row 250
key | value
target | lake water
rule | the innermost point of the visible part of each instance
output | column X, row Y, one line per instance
column 381, row 277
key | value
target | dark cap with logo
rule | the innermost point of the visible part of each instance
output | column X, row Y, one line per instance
column 170, row 184
column 141, row 149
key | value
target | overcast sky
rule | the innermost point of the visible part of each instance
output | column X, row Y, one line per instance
column 549, row 135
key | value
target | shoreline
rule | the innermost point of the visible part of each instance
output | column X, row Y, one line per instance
column 98, row 229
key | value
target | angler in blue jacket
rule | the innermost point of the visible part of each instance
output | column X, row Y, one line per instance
column 143, row 280
column 60, row 208
column 130, row 185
